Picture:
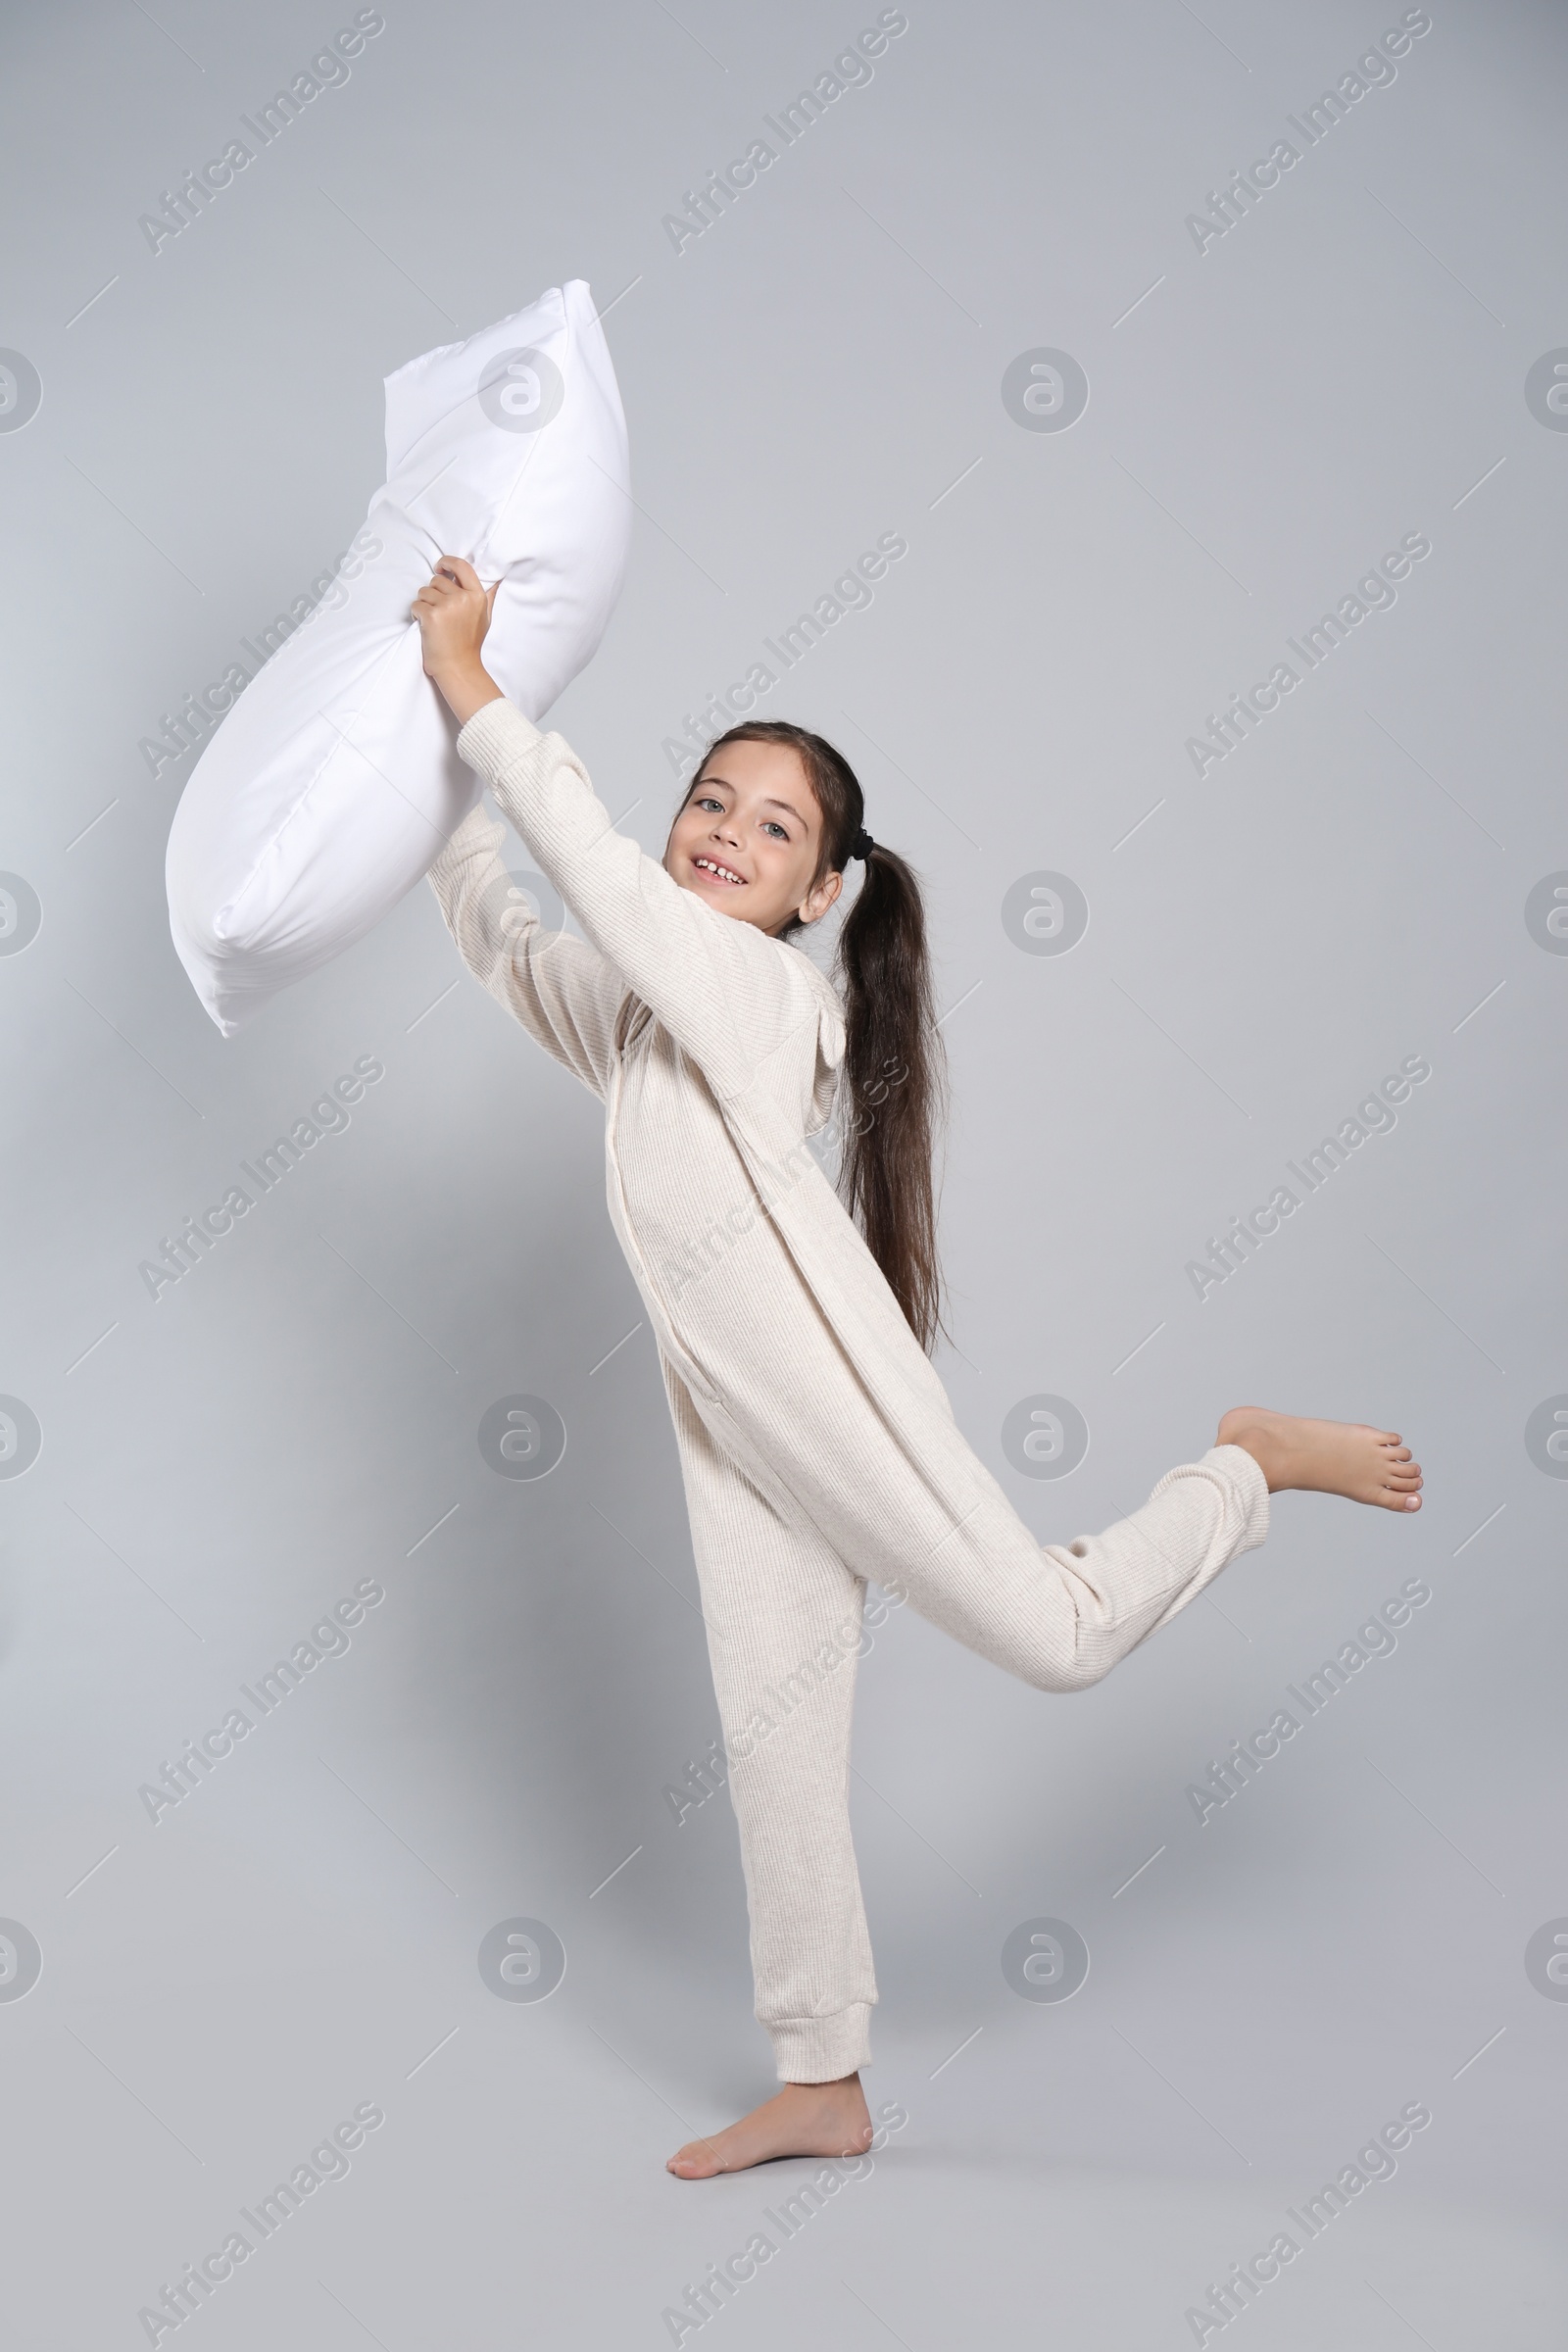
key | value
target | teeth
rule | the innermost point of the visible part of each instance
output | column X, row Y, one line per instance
column 710, row 865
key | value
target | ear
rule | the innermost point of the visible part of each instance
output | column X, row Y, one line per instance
column 812, row 907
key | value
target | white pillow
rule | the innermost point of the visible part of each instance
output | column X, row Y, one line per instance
column 333, row 782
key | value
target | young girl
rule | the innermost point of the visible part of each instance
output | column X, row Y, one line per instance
column 818, row 1444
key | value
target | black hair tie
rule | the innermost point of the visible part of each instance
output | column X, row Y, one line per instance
column 863, row 844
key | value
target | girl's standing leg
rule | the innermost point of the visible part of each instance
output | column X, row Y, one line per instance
column 783, row 1618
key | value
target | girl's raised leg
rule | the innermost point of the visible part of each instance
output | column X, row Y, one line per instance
column 1326, row 1458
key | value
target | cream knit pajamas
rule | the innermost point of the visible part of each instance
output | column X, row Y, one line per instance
column 818, row 1445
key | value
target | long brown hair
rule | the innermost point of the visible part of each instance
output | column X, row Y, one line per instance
column 894, row 1072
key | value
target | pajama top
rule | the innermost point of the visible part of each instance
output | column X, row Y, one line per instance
column 716, row 1051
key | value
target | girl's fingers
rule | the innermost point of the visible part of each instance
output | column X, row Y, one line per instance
column 459, row 570
column 446, row 581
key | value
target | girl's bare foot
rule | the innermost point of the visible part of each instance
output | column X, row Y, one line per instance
column 806, row 2119
column 1326, row 1458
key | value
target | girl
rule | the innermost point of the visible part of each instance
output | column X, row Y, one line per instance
column 818, row 1444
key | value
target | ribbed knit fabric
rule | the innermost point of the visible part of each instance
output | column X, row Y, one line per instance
column 818, row 1444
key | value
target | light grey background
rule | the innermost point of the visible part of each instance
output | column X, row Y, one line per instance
column 823, row 364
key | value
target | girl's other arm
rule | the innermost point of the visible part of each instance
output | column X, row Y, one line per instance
column 564, row 995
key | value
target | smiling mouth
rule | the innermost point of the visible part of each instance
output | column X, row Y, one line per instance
column 720, row 873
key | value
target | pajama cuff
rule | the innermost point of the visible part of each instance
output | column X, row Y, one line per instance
column 496, row 733
column 823, row 2049
column 1250, row 1489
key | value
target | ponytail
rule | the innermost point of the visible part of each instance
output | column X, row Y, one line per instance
column 894, row 1072
column 893, row 1075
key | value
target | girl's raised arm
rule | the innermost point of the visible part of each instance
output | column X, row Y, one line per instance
column 562, row 991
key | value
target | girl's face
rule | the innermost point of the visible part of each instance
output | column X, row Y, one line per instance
column 749, row 839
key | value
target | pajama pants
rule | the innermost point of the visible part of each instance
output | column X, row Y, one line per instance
column 782, row 1603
